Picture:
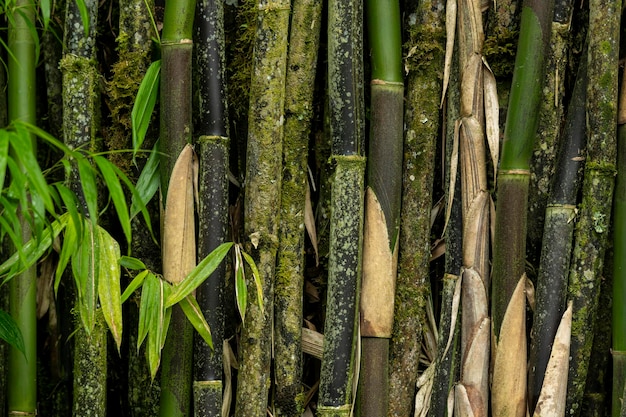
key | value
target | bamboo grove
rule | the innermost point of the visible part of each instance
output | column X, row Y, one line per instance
column 312, row 208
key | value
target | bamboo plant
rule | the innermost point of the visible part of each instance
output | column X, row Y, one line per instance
column 591, row 234
column 288, row 314
column 423, row 95
column 619, row 268
column 347, row 196
column 178, row 238
column 262, row 198
column 509, row 394
column 551, row 289
column 22, row 370
column 211, row 130
column 382, row 207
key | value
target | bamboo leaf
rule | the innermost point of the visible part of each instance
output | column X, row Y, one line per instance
column 257, row 279
column 192, row 310
column 179, row 248
column 147, row 184
column 84, row 15
column 85, row 263
column 144, row 104
column 45, row 12
column 147, row 307
column 552, row 399
column 68, row 248
column 309, row 223
column 450, row 34
column 241, row 288
column 509, row 373
column 492, row 112
column 200, row 273
column 10, row 332
column 116, row 193
column 158, row 326
column 109, row 274
column 89, row 187
column 134, row 284
column 4, row 154
column 132, row 263
column 462, row 403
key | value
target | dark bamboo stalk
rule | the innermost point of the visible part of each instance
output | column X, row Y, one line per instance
column 591, row 233
column 213, row 148
column 301, row 69
column 262, row 199
column 346, row 219
column 558, row 234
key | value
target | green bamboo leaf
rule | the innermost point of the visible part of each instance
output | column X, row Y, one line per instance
column 147, row 307
column 141, row 205
column 115, row 192
column 85, row 263
column 200, row 273
column 33, row 249
column 158, row 327
column 109, row 273
column 47, row 137
column 257, row 278
column 147, row 184
column 144, row 104
column 10, row 332
column 84, row 15
column 241, row 289
column 8, row 227
column 45, row 12
column 4, row 154
column 192, row 310
column 70, row 205
column 132, row 263
column 90, row 188
column 25, row 153
column 134, row 284
column 68, row 247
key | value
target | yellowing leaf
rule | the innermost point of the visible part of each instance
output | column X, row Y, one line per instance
column 179, row 242
column 109, row 273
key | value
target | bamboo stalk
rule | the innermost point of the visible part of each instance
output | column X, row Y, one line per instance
column 422, row 118
column 176, row 62
column 346, row 218
column 558, row 235
column 544, row 155
column 382, row 209
column 619, row 263
column 262, row 199
column 301, row 69
column 591, row 233
column 22, row 372
column 213, row 146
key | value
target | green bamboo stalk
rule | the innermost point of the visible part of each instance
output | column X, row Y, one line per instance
column 176, row 115
column 544, row 153
column 4, row 290
column 80, row 127
column 347, row 195
column 514, row 173
column 591, row 233
column 213, row 146
column 560, row 214
column 422, row 116
column 301, row 69
column 22, row 372
column 262, row 200
column 383, row 198
column 619, row 263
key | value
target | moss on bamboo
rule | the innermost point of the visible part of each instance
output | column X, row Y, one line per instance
column 301, row 66
column 90, row 370
column 425, row 50
column 262, row 204
column 207, row 397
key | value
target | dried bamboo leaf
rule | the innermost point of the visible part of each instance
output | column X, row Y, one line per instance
column 475, row 367
column 454, row 165
column 492, row 111
column 472, row 87
column 312, row 343
column 379, row 265
column 462, row 405
column 450, row 34
column 456, row 301
column 509, row 374
column 554, row 390
column 424, row 391
column 309, row 224
column 179, row 247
